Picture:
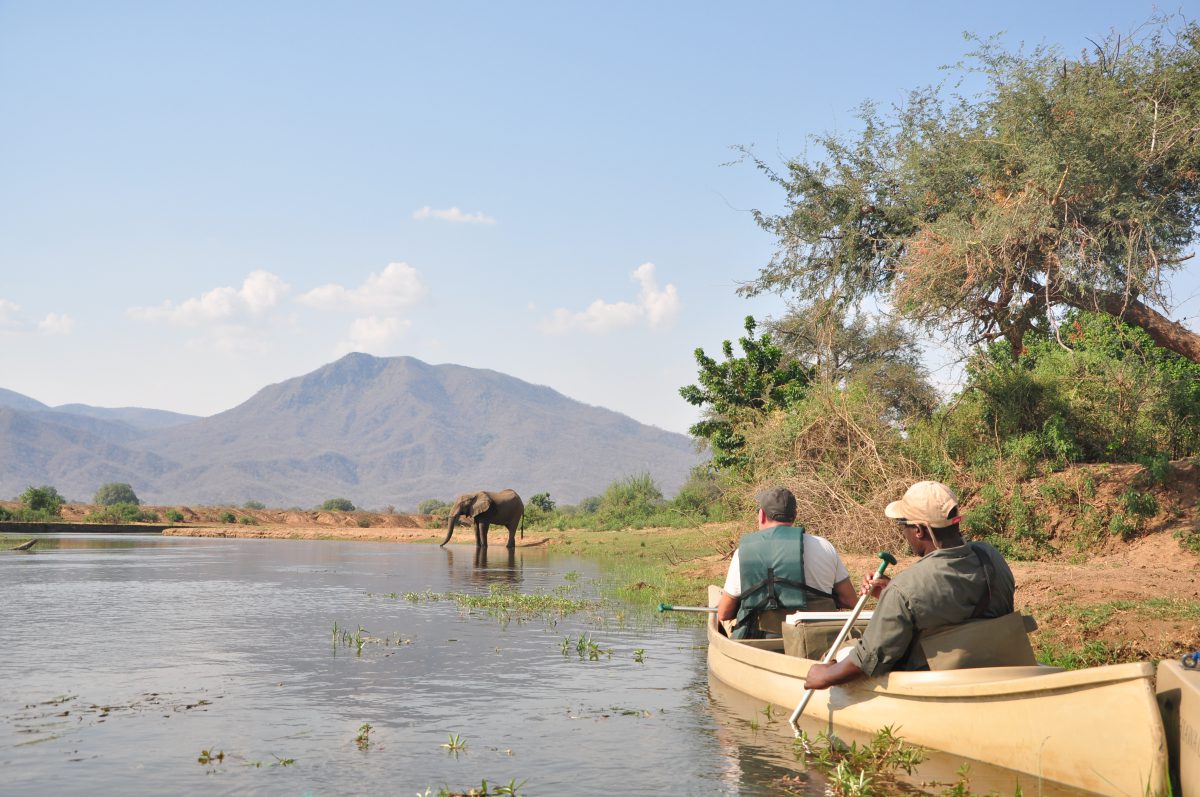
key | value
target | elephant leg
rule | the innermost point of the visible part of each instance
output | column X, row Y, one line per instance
column 512, row 536
column 481, row 531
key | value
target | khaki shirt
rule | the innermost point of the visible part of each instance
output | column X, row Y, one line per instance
column 941, row 589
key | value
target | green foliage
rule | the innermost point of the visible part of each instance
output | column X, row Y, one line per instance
column 741, row 391
column 246, row 520
column 123, row 512
column 1008, row 522
column 228, row 517
column 364, row 522
column 174, row 515
column 5, row 514
column 542, row 501
column 254, row 505
column 1066, row 182
column 115, row 493
column 433, row 506
column 338, row 505
column 43, row 500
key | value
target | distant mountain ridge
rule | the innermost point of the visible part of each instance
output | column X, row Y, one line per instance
column 379, row 431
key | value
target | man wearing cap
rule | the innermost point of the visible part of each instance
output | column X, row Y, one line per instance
column 953, row 582
column 780, row 569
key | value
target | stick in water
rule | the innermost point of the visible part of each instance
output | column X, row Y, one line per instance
column 888, row 559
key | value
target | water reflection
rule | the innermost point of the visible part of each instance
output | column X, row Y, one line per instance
column 485, row 567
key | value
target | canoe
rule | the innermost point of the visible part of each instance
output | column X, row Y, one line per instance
column 1179, row 697
column 1097, row 729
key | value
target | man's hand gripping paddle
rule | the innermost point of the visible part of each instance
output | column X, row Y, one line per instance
column 888, row 559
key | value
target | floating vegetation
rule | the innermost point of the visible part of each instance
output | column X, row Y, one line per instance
column 363, row 740
column 867, row 770
column 639, row 655
column 343, row 638
column 612, row 711
column 209, row 757
column 456, row 744
column 279, row 762
column 503, row 600
column 585, row 646
column 485, row 790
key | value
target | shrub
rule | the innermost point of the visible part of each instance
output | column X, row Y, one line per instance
column 115, row 493
column 254, row 505
column 228, row 517
column 364, row 522
column 338, row 505
column 432, row 506
column 174, row 515
column 542, row 501
column 246, row 520
column 124, row 512
column 5, row 514
column 44, row 499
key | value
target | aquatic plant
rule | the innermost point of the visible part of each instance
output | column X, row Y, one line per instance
column 485, row 790
column 363, row 740
column 456, row 744
column 863, row 770
column 639, row 655
column 505, row 602
column 585, row 646
column 208, row 757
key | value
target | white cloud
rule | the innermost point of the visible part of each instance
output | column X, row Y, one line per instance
column 260, row 291
column 8, row 313
column 453, row 215
column 372, row 334
column 655, row 307
column 398, row 285
column 56, row 324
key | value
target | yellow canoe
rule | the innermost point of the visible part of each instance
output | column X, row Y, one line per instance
column 1097, row 729
column 1179, row 697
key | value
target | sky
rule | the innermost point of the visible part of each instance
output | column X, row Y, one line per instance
column 201, row 199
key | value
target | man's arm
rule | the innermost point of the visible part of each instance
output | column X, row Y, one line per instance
column 823, row 676
column 727, row 607
column 843, row 594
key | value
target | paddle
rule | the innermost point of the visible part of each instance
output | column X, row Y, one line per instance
column 888, row 559
column 666, row 607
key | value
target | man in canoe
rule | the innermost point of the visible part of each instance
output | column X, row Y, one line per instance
column 780, row 569
column 953, row 583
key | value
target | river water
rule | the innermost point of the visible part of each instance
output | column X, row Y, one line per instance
column 123, row 659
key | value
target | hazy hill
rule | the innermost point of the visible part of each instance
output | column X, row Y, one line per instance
column 378, row 431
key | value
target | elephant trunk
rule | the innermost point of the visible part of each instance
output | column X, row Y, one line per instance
column 450, row 527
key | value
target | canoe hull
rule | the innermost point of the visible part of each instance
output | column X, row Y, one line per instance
column 1179, row 696
column 1097, row 729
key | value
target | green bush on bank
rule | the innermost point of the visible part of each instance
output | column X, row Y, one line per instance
column 123, row 512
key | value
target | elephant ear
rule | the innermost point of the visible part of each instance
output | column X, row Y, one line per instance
column 483, row 502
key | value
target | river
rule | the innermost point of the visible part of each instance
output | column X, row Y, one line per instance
column 131, row 664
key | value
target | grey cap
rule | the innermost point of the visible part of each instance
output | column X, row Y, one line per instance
column 778, row 504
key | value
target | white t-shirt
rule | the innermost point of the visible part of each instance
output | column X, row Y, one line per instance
column 822, row 567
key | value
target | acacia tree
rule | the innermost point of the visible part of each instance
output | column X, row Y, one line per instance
column 115, row 493
column 1066, row 183
column 742, row 390
column 880, row 352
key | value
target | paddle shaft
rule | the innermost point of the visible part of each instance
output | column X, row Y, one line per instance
column 667, row 607
column 858, row 607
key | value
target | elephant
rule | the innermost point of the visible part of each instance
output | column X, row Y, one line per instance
column 504, row 508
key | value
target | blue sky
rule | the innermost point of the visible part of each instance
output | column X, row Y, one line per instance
column 200, row 199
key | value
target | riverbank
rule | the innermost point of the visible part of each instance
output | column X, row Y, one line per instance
column 1139, row 601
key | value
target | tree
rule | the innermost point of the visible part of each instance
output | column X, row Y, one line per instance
column 432, row 506
column 115, row 493
column 1067, row 183
column 42, row 499
column 878, row 351
column 742, row 390
column 252, row 504
column 338, row 505
column 542, row 501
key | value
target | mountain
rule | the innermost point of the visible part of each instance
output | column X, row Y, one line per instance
column 378, row 431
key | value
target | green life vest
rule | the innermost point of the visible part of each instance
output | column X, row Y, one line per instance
column 772, row 571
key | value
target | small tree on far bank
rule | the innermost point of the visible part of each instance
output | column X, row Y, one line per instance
column 42, row 499
column 338, row 505
column 115, row 493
